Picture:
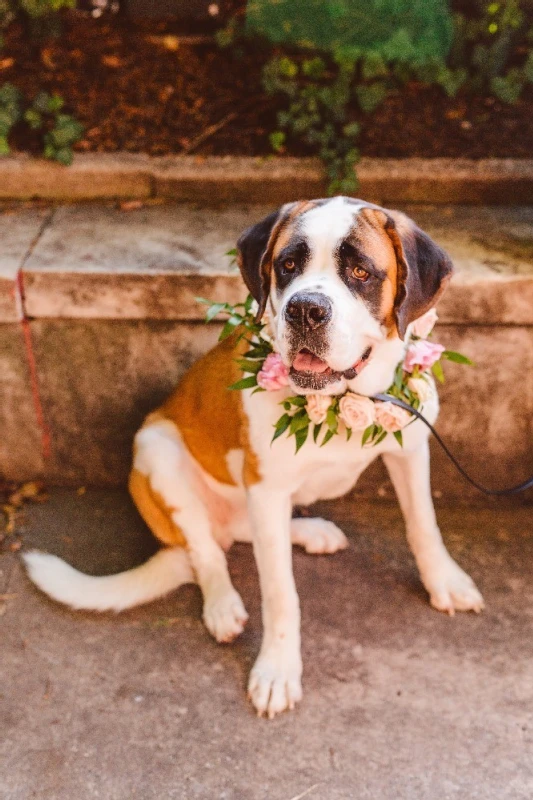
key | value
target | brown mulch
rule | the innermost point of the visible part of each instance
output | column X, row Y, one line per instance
column 146, row 88
column 13, row 496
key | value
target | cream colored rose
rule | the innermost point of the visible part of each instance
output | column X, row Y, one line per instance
column 422, row 388
column 424, row 325
column 317, row 407
column 391, row 417
column 356, row 411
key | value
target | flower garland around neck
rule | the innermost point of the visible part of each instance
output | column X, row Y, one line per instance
column 330, row 415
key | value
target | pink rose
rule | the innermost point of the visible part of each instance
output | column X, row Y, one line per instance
column 423, row 326
column 274, row 374
column 317, row 407
column 391, row 418
column 422, row 354
column 356, row 411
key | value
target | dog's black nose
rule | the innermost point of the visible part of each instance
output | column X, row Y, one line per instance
column 308, row 311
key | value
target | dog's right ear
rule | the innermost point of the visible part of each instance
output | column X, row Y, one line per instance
column 254, row 254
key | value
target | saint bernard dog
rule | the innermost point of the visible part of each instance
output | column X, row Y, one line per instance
column 341, row 280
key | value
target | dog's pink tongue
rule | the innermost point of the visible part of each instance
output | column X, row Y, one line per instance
column 307, row 362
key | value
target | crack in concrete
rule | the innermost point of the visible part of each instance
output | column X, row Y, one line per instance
column 26, row 333
column 47, row 221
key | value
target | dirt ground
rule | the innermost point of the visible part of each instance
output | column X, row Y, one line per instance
column 135, row 89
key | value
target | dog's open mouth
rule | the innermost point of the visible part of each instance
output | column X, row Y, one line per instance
column 311, row 372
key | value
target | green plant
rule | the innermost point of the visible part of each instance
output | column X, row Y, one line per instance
column 491, row 51
column 60, row 131
column 10, row 113
column 326, row 97
column 32, row 9
column 40, row 16
column 323, row 101
column 39, row 8
column 317, row 113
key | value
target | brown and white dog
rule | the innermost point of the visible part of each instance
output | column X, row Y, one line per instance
column 342, row 280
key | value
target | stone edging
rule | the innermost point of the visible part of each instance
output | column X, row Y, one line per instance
column 216, row 179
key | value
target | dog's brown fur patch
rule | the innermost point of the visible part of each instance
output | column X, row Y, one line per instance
column 153, row 509
column 377, row 244
column 210, row 417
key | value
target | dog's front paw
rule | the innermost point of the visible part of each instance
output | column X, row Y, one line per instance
column 451, row 589
column 317, row 535
column 275, row 683
column 225, row 615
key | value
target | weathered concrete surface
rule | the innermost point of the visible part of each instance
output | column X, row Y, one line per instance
column 18, row 230
column 92, row 176
column 492, row 250
column 98, row 379
column 270, row 179
column 490, row 181
column 400, row 702
column 226, row 179
column 21, row 451
column 100, row 262
column 486, row 410
column 151, row 263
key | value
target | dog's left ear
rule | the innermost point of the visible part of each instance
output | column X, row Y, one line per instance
column 254, row 253
column 424, row 269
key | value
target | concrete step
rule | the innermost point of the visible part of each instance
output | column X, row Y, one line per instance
column 108, row 322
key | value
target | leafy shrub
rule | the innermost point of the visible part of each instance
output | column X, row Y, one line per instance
column 415, row 29
column 492, row 52
column 10, row 113
column 58, row 131
column 34, row 9
column 317, row 113
column 40, row 16
column 485, row 55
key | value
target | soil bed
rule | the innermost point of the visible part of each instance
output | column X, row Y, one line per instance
column 132, row 92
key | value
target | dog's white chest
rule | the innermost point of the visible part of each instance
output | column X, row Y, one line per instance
column 329, row 480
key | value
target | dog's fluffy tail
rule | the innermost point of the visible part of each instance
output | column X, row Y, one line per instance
column 168, row 569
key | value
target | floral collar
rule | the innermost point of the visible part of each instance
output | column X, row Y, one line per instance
column 326, row 416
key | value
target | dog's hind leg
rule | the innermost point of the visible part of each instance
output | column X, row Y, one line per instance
column 316, row 535
column 162, row 461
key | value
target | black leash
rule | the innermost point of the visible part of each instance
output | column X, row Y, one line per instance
column 528, row 484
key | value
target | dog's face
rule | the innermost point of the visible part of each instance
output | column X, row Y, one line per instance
column 338, row 277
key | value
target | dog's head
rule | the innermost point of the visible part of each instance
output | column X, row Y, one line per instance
column 338, row 277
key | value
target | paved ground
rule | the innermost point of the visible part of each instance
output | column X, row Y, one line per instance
column 400, row 701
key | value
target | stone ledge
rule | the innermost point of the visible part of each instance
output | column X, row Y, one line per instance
column 17, row 233
column 92, row 176
column 97, row 262
column 220, row 179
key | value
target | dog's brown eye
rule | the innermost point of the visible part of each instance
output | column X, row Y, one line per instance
column 289, row 264
column 360, row 273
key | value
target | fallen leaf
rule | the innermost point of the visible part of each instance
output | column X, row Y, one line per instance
column 130, row 205
column 31, row 489
column 169, row 42
column 46, row 58
column 112, row 61
column 5, row 63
